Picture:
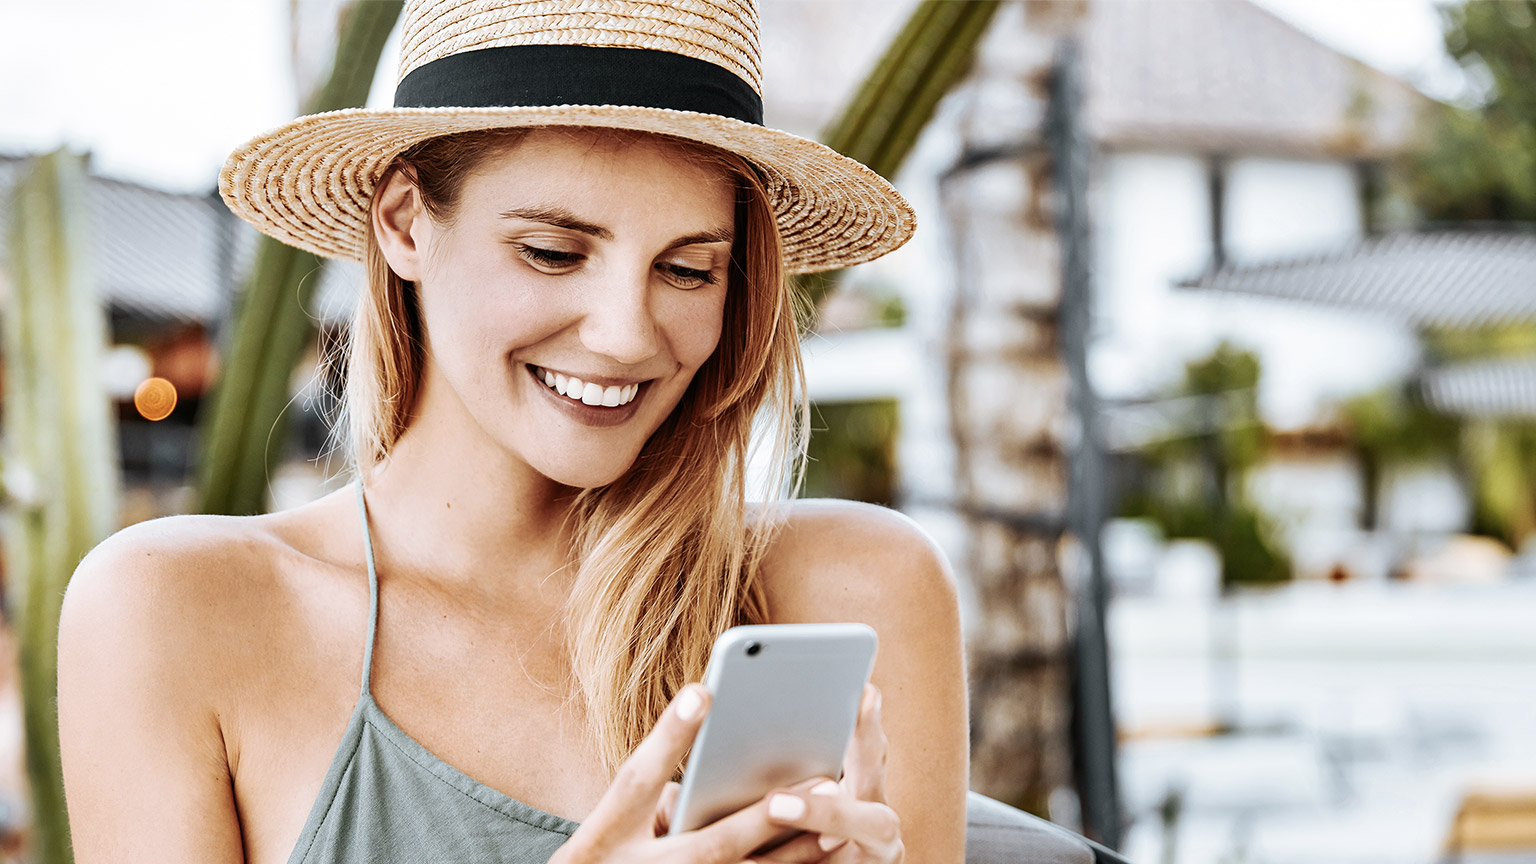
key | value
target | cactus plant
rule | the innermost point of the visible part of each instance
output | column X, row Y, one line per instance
column 880, row 125
column 61, row 473
column 244, row 430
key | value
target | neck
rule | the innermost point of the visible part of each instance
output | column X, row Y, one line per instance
column 450, row 508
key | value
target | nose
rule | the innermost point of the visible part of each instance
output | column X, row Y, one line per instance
column 619, row 321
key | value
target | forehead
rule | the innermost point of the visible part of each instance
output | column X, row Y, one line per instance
column 605, row 174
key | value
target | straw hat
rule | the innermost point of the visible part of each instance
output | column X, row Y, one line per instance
column 685, row 68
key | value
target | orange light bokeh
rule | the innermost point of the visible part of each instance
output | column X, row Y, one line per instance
column 155, row 398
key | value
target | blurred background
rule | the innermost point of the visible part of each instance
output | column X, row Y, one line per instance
column 1212, row 367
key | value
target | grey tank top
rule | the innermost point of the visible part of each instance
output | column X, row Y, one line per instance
column 387, row 799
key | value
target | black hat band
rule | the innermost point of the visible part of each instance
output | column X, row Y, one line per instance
column 513, row 76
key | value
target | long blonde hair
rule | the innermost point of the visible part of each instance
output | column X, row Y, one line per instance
column 666, row 556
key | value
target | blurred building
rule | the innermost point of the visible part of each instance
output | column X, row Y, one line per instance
column 1222, row 135
column 167, row 266
column 1323, row 721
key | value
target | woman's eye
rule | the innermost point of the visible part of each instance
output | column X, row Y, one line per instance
column 686, row 277
column 551, row 258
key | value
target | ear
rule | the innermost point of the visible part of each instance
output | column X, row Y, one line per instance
column 401, row 225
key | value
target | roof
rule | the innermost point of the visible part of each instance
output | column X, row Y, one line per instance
column 159, row 255
column 1225, row 76
column 1500, row 387
column 1430, row 279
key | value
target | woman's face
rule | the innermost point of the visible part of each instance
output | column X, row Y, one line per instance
column 579, row 287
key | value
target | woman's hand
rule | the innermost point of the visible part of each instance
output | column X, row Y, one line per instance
column 628, row 825
column 848, row 822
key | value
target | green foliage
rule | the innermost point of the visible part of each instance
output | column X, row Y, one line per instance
column 1249, row 555
column 890, row 311
column 1392, row 429
column 1498, row 340
column 1195, row 487
column 1479, row 162
column 1477, row 169
column 853, row 452
column 244, row 431
column 1503, row 461
column 61, row 462
column 1241, row 534
column 1230, row 372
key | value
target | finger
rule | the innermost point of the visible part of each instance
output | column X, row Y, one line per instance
column 666, row 806
column 827, row 842
column 872, row 825
column 737, row 835
column 804, row 849
column 631, row 800
column 864, row 762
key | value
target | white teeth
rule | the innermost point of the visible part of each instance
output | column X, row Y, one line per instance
column 588, row 393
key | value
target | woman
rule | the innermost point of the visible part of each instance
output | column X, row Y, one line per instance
column 576, row 233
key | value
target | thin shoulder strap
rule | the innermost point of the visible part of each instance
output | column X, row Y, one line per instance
column 373, row 588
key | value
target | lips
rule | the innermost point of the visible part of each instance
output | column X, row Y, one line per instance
column 587, row 392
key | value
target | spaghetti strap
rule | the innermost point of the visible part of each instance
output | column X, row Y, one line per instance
column 373, row 588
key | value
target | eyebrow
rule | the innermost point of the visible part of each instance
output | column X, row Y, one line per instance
column 561, row 218
column 558, row 218
column 717, row 235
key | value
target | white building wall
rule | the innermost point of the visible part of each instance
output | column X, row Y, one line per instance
column 1312, row 355
column 1153, row 230
column 1283, row 207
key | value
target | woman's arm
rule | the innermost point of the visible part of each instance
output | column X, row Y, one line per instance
column 840, row 561
column 145, row 771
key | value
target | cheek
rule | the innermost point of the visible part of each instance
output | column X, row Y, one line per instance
column 483, row 304
column 696, row 327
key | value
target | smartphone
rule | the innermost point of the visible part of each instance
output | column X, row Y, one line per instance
column 784, row 703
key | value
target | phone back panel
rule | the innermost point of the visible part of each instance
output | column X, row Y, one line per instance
column 780, row 714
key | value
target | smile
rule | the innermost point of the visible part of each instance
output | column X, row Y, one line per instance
column 586, row 392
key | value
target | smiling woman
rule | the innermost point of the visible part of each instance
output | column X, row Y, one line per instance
column 575, row 319
column 599, row 259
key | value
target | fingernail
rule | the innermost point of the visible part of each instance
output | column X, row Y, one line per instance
column 827, row 842
column 825, row 787
column 783, row 806
column 689, row 704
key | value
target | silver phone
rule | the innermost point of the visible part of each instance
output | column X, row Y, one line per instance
column 784, row 703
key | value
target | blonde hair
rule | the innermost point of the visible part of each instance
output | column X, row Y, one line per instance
column 666, row 557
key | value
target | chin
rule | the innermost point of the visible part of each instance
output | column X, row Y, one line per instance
column 587, row 481
column 585, row 476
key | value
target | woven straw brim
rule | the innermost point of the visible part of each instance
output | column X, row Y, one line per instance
column 308, row 182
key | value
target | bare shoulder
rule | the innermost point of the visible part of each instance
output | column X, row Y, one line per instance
column 144, row 671
column 162, row 584
column 842, row 561
column 197, row 591
column 832, row 558
column 164, row 565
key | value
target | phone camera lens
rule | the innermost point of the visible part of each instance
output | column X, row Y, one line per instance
column 753, row 648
